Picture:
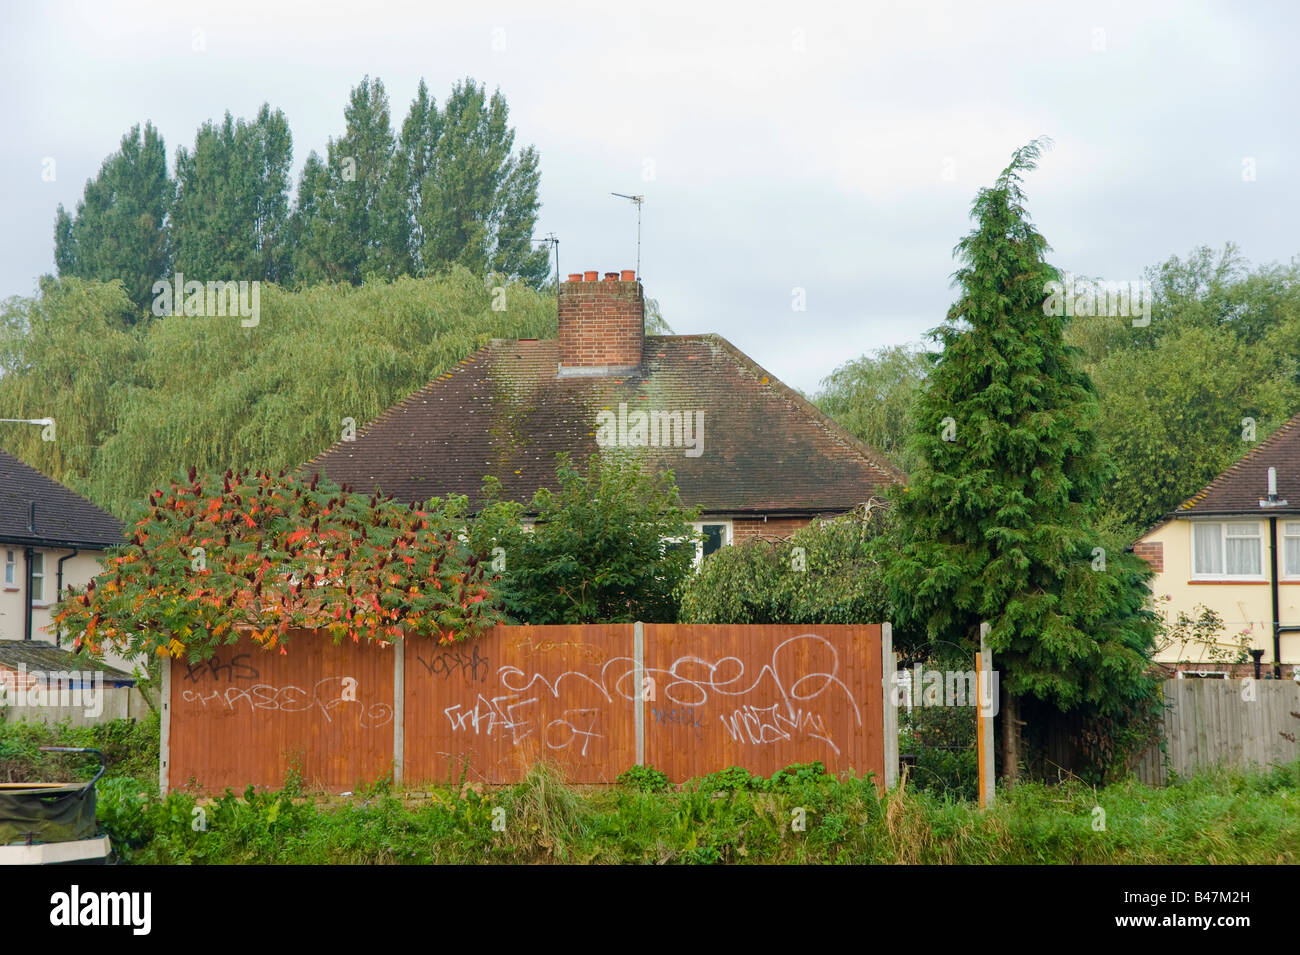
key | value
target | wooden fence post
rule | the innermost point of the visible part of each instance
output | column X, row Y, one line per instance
column 888, row 666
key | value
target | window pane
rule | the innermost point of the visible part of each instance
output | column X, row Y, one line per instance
column 38, row 563
column 1243, row 530
column 1207, row 549
column 714, row 535
column 1291, row 556
column 1243, row 555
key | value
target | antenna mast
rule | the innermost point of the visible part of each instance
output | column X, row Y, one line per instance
column 638, row 200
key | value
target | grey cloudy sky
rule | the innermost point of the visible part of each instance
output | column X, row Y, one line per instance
column 831, row 148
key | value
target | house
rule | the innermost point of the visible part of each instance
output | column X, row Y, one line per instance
column 50, row 538
column 752, row 454
column 1234, row 548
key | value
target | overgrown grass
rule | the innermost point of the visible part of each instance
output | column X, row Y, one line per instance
column 729, row 817
column 130, row 746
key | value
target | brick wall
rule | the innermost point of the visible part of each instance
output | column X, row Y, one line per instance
column 744, row 528
column 1152, row 553
column 602, row 323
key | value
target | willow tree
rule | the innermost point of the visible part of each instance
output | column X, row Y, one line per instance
column 998, row 523
column 134, row 404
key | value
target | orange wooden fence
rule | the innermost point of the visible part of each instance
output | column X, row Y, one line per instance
column 594, row 699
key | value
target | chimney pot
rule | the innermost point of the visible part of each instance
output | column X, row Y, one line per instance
column 611, row 276
column 591, row 276
column 575, row 276
column 629, row 275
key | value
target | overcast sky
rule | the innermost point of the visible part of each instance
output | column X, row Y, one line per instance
column 779, row 146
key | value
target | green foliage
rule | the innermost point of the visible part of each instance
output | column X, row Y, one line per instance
column 130, row 748
column 118, row 231
column 942, row 738
column 478, row 199
column 644, row 779
column 826, row 572
column 1224, row 817
column 596, row 552
column 449, row 190
column 998, row 523
column 873, row 397
column 230, row 217
column 340, row 227
column 132, row 406
column 1170, row 433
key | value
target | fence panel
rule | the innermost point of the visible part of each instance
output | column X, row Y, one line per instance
column 492, row 707
column 245, row 715
column 763, row 697
column 1227, row 723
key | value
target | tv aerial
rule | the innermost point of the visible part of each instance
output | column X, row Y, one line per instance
column 638, row 200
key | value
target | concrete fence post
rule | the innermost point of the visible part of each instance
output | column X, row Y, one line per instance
column 399, row 709
column 888, row 665
column 165, row 721
column 638, row 694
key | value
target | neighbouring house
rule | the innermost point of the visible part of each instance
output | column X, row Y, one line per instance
column 39, row 681
column 50, row 538
column 752, row 454
column 1234, row 548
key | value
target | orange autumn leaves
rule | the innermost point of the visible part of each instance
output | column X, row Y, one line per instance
column 271, row 554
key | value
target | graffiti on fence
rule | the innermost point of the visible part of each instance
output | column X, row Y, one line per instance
column 235, row 668
column 470, row 664
column 323, row 696
column 785, row 699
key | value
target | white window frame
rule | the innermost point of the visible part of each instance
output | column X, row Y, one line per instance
column 38, row 578
column 728, row 530
column 1222, row 525
column 11, row 565
column 1290, row 531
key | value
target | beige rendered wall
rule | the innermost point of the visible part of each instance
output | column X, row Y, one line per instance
column 77, row 571
column 1245, row 606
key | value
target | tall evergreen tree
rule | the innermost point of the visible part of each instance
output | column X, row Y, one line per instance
column 479, row 201
column 998, row 523
column 230, row 217
column 400, row 242
column 119, row 229
column 339, row 234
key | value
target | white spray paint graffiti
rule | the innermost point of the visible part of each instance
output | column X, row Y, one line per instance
column 781, row 712
column 294, row 699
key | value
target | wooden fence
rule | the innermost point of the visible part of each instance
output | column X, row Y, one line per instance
column 594, row 699
column 1229, row 723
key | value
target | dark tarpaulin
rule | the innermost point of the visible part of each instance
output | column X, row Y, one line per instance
column 48, row 813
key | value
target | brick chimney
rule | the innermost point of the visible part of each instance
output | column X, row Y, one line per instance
column 602, row 323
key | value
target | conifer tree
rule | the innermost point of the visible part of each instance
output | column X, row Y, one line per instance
column 998, row 522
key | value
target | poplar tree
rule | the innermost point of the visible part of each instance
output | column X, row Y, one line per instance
column 119, row 228
column 478, row 200
column 338, row 229
column 230, row 218
column 998, row 523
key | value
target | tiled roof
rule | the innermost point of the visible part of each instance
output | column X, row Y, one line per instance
column 1240, row 488
column 505, row 411
column 47, row 658
column 61, row 518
